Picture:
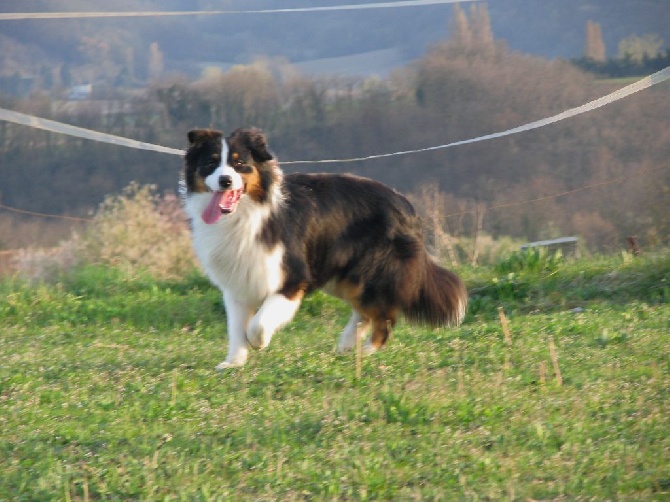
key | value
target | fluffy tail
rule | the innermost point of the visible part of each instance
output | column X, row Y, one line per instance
column 442, row 299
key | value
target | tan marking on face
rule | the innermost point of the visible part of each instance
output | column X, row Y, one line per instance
column 252, row 181
column 199, row 185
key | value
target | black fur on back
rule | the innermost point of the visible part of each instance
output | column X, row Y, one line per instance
column 356, row 231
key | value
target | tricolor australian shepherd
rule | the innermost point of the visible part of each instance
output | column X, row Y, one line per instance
column 267, row 239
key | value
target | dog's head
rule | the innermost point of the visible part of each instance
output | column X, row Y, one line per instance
column 241, row 166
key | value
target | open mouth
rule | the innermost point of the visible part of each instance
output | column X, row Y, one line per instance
column 221, row 203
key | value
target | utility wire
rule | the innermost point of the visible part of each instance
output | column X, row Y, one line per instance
column 13, row 16
column 59, row 127
column 641, row 172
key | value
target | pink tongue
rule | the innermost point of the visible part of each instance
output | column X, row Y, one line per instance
column 221, row 202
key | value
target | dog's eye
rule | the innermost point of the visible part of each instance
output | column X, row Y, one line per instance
column 238, row 164
column 208, row 168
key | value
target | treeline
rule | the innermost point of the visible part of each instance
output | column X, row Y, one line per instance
column 624, row 67
column 456, row 91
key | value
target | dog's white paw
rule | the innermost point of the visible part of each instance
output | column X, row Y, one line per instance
column 226, row 365
column 346, row 345
column 257, row 335
column 368, row 348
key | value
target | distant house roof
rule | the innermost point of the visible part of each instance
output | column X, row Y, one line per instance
column 78, row 92
column 380, row 63
column 551, row 242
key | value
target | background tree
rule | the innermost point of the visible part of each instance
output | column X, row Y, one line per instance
column 595, row 46
column 480, row 21
column 156, row 64
column 637, row 48
column 459, row 28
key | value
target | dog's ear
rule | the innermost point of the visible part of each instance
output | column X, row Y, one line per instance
column 199, row 135
column 258, row 145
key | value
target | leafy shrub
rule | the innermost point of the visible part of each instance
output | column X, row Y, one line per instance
column 139, row 230
column 534, row 260
column 136, row 231
column 515, row 279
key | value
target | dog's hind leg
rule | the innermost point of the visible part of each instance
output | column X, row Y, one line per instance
column 381, row 331
column 357, row 327
column 238, row 316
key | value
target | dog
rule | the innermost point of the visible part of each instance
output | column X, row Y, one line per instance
column 266, row 239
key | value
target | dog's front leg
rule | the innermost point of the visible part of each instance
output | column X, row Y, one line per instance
column 277, row 310
column 238, row 316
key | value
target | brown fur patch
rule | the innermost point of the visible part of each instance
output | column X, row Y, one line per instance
column 199, row 185
column 298, row 295
column 347, row 291
column 381, row 329
column 382, row 319
column 254, row 188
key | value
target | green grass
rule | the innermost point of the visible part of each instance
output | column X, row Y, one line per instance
column 107, row 392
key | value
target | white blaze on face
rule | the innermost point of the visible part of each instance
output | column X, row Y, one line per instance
column 223, row 201
column 212, row 181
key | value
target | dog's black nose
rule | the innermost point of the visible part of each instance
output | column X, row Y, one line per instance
column 225, row 181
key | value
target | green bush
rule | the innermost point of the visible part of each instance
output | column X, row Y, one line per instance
column 533, row 260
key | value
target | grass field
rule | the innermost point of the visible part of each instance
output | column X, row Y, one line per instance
column 107, row 392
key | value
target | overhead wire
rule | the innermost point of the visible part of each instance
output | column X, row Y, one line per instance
column 42, row 215
column 62, row 128
column 644, row 83
column 14, row 16
column 619, row 179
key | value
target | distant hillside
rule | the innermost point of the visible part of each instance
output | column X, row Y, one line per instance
column 118, row 51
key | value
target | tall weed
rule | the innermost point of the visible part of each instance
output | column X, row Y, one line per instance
column 533, row 260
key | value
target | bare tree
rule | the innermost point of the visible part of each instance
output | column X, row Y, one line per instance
column 595, row 46
column 156, row 64
column 637, row 47
column 480, row 22
column 460, row 27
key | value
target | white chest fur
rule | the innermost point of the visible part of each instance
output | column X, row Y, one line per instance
column 231, row 253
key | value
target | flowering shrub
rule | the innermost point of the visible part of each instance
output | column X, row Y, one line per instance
column 137, row 231
column 140, row 230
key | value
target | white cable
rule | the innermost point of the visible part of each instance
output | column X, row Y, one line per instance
column 644, row 83
column 11, row 16
column 79, row 132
